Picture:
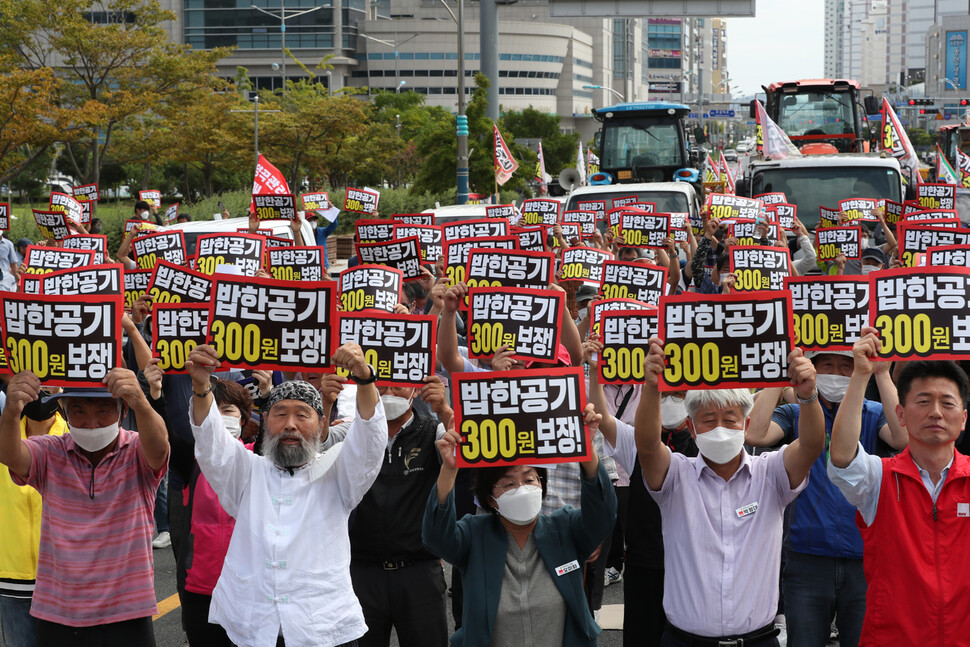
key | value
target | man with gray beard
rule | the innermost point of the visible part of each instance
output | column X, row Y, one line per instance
column 286, row 575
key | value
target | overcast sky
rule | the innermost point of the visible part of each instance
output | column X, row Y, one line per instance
column 783, row 42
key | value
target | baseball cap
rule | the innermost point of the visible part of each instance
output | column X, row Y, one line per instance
column 78, row 392
column 874, row 253
column 586, row 293
column 815, row 353
column 562, row 357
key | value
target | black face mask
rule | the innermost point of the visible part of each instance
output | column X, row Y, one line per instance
column 38, row 410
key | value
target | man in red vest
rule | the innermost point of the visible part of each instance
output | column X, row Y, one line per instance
column 914, row 508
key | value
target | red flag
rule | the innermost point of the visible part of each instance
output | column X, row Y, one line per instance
column 896, row 141
column 268, row 178
column 726, row 175
column 505, row 164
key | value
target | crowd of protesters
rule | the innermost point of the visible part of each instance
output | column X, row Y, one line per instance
column 312, row 509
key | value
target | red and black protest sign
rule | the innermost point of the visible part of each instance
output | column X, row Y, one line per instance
column 401, row 348
column 296, row 263
column 626, row 340
column 936, row 196
column 746, row 231
column 177, row 328
column 98, row 243
column 138, row 223
column 152, row 197
column 67, row 205
column 375, row 231
column 632, row 280
column 531, row 239
column 136, row 284
column 41, row 260
column 520, row 417
column 63, row 340
column 585, row 219
column 859, row 209
column 361, row 201
column 367, row 287
column 640, row 229
column 526, row 320
column 509, row 268
column 422, row 219
column 4, row 216
column 506, row 211
column 53, row 225
column 776, row 197
column 758, row 268
column 402, row 253
column 583, row 264
column 724, row 206
column 168, row 246
column 948, row 256
column 171, row 214
column 86, row 193
column 911, row 207
column 316, row 201
column 273, row 325
column 173, row 283
column 833, row 241
column 92, row 279
column 916, row 238
column 456, row 253
column 613, row 217
column 570, row 233
column 598, row 307
column 678, row 226
column 478, row 228
column 894, row 211
column 726, row 341
column 921, row 313
column 782, row 213
column 429, row 240
column 942, row 217
column 829, row 217
column 625, row 201
column 540, row 211
column 828, row 311
column 245, row 251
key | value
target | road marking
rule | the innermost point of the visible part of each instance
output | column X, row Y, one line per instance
column 168, row 604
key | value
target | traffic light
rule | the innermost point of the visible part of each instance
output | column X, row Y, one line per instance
column 921, row 102
column 965, row 102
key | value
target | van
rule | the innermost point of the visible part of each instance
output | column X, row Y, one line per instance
column 280, row 228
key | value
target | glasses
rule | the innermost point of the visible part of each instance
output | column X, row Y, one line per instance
column 507, row 485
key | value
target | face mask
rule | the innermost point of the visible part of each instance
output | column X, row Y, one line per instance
column 93, row 440
column 233, row 425
column 832, row 387
column 870, row 268
column 582, row 314
column 720, row 445
column 673, row 413
column 143, row 215
column 724, row 277
column 521, row 505
column 395, row 406
column 864, row 243
column 38, row 410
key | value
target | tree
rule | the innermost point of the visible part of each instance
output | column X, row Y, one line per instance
column 558, row 148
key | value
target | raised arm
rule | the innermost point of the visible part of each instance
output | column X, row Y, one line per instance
column 447, row 333
column 848, row 420
column 893, row 433
column 152, row 432
column 654, row 457
column 596, row 395
column 810, row 443
column 761, row 431
column 351, row 357
column 22, row 389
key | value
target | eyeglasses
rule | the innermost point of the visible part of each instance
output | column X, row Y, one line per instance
column 506, row 485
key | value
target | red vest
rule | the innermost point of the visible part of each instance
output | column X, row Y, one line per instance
column 917, row 559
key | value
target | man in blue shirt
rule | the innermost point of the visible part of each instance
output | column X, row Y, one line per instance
column 322, row 229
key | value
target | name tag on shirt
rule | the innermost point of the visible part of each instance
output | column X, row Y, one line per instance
column 747, row 510
column 963, row 509
column 567, row 568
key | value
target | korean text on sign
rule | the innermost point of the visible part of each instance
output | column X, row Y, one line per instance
column 272, row 206
column 177, row 328
column 172, row 283
column 361, row 200
column 833, row 241
column 626, row 339
column 245, row 251
column 599, row 306
column 456, row 253
column 162, row 246
column 630, row 280
column 403, row 254
column 584, row 264
column 525, row 320
column 367, row 287
column 509, row 267
column 296, row 263
column 401, row 348
column 757, row 268
column 829, row 311
column 93, row 279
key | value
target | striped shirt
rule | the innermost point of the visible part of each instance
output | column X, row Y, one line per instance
column 95, row 564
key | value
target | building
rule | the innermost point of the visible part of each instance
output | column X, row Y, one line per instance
column 946, row 56
column 832, row 63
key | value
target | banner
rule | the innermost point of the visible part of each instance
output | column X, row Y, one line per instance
column 774, row 143
column 361, row 201
column 726, row 176
column 420, row 219
column 478, row 228
column 403, row 254
column 52, row 224
column 536, row 211
column 41, row 260
column 944, row 171
column 263, row 324
column 644, row 229
column 859, row 209
column 936, row 196
column 245, row 251
column 581, row 164
column 316, row 201
column 268, row 178
column 963, row 162
column 92, row 279
column 505, row 164
column 152, row 197
column 916, row 238
column 829, row 312
column 509, row 268
column 541, row 176
column 948, row 256
column 956, row 59
column 401, row 348
column 274, row 206
column 64, row 340
column 895, row 140
column 429, row 240
column 375, row 231
column 296, row 263
column 599, row 306
column 632, row 280
column 584, row 264
column 626, row 341
column 520, row 417
column 585, row 219
column 367, row 287
column 86, row 193
column 98, row 243
column 162, row 246
column 137, row 223
column 758, row 268
column 456, row 253
column 136, row 284
column 177, row 328
column 172, row 283
column 726, row 341
column 941, row 217
column 783, row 213
column 921, row 313
column 523, row 319
column 833, row 241
column 506, row 211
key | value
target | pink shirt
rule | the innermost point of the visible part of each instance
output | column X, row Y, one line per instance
column 95, row 565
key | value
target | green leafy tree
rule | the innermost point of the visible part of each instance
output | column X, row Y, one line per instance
column 558, row 148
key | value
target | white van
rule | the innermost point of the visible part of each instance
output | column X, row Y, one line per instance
column 281, row 228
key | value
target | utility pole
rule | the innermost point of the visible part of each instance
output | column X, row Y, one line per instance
column 462, row 120
column 255, row 112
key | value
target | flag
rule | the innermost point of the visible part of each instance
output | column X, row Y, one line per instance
column 895, row 140
column 727, row 175
column 963, row 164
column 944, row 172
column 711, row 171
column 592, row 162
column 581, row 164
column 268, row 179
column 505, row 165
column 774, row 142
column 542, row 177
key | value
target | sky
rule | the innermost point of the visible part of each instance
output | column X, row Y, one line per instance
column 783, row 42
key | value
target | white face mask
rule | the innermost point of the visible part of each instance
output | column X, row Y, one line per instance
column 673, row 413
column 832, row 387
column 233, row 425
column 864, row 243
column 93, row 440
column 870, row 268
column 724, row 277
column 521, row 505
column 395, row 406
column 720, row 445
column 582, row 314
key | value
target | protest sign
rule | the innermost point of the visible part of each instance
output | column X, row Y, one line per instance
column 828, row 311
column 583, row 264
column 177, row 328
column 599, row 306
column 86, row 206
column 173, row 283
column 4, row 216
column 776, row 197
column 509, row 267
column 758, row 268
column 943, row 217
column 272, row 206
column 911, row 207
column 726, row 341
column 782, row 213
column 596, row 206
column 296, row 263
column 429, row 240
column 42, row 260
column 456, row 253
column 478, row 228
column 639, row 229
column 422, row 219
column 370, row 286
column 724, row 206
column 52, row 224
column 403, row 253
column 506, row 211
column 624, row 201
column 137, row 223
column 585, row 219
column 245, row 251
column 678, row 226
column 526, row 320
column 136, row 284
column 894, row 211
column 361, row 201
column 171, row 214
column 63, row 340
column 540, row 211
column 91, row 279
column 632, row 280
column 152, row 197
column 86, row 193
column 746, row 231
column 916, row 238
column 859, row 209
column 273, row 325
column 375, row 231
column 948, row 256
column 520, row 417
column 401, row 348
column 921, row 313
column 613, row 217
column 318, row 200
column 829, row 217
column 531, row 239
column 160, row 246
column 67, row 205
column 626, row 340
column 98, row 243
column 936, row 196
column 833, row 241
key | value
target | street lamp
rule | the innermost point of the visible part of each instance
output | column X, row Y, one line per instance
column 396, row 45
column 255, row 112
column 400, row 84
column 600, row 87
column 283, row 15
column 461, row 122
